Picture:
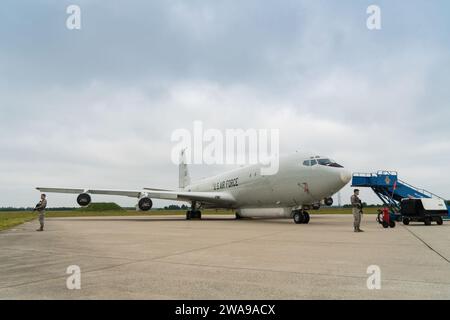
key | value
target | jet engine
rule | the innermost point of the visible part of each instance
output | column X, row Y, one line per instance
column 316, row 206
column 328, row 201
column 84, row 199
column 145, row 204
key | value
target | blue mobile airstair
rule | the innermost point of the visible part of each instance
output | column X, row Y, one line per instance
column 390, row 189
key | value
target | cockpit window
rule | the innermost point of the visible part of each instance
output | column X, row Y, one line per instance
column 325, row 162
column 329, row 163
column 322, row 162
column 309, row 163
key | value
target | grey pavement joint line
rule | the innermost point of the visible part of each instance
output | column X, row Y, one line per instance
column 426, row 244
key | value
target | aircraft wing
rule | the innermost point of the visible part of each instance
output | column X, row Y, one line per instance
column 61, row 190
column 126, row 193
column 216, row 198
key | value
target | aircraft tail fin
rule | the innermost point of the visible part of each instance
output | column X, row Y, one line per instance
column 183, row 174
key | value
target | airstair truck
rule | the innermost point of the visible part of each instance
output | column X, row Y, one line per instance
column 419, row 204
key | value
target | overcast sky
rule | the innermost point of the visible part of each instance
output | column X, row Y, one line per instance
column 96, row 107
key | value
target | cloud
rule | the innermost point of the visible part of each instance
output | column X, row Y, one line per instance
column 97, row 107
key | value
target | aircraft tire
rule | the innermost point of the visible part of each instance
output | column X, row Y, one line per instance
column 306, row 217
column 195, row 214
column 298, row 217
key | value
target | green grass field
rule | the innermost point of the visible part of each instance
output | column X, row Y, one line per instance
column 14, row 218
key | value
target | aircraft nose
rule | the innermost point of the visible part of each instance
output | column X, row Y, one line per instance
column 346, row 176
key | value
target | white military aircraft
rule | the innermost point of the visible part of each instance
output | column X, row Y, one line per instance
column 303, row 182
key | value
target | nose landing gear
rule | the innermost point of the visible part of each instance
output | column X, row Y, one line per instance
column 193, row 213
column 301, row 217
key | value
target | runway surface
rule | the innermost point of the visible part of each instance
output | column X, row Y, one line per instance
column 166, row 257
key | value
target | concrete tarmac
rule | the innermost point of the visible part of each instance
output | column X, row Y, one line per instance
column 167, row 257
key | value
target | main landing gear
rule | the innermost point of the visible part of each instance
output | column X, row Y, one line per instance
column 301, row 217
column 193, row 213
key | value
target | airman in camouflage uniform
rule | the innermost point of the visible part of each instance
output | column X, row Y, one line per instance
column 356, row 210
column 40, row 208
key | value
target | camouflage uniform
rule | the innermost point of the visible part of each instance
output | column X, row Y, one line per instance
column 41, row 210
column 357, row 211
